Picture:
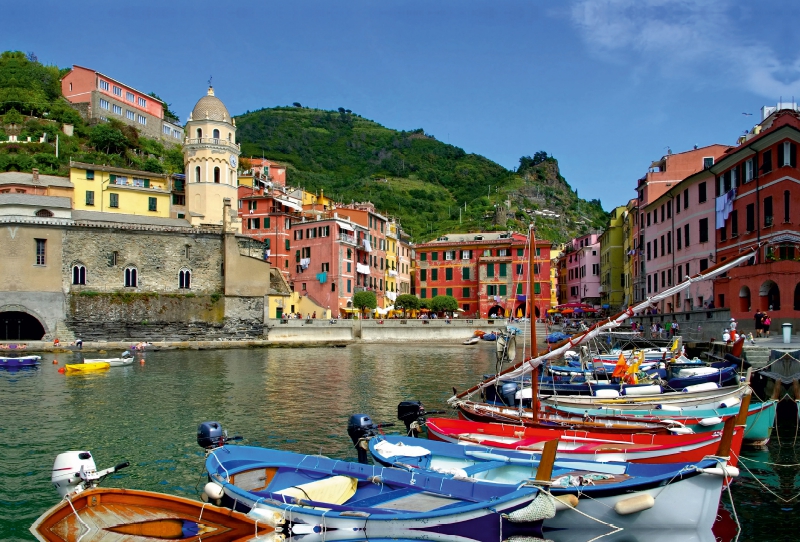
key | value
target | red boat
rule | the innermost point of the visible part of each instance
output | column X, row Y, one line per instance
column 580, row 444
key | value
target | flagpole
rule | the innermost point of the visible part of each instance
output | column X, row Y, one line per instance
column 532, row 318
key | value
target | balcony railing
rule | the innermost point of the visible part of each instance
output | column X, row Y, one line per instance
column 211, row 141
column 348, row 239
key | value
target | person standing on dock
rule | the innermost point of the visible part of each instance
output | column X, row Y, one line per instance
column 759, row 321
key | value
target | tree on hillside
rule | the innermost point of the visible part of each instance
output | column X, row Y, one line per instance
column 444, row 303
column 407, row 302
column 526, row 162
column 167, row 111
column 365, row 300
column 107, row 139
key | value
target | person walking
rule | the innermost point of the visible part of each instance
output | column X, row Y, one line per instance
column 766, row 323
column 759, row 321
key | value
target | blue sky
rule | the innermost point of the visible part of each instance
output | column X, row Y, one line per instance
column 604, row 86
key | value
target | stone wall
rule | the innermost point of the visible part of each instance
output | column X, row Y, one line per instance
column 158, row 257
column 694, row 325
column 122, row 316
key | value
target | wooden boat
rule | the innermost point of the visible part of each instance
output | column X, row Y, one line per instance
column 482, row 412
column 79, row 368
column 627, row 495
column 712, row 397
column 579, row 444
column 307, row 493
column 109, row 515
column 760, row 417
column 22, row 361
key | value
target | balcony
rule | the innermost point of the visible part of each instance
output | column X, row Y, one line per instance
column 218, row 142
column 349, row 239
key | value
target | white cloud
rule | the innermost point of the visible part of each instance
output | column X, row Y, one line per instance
column 687, row 39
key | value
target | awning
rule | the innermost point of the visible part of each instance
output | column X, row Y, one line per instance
column 345, row 226
column 289, row 204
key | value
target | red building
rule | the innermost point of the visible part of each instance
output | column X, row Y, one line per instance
column 371, row 248
column 764, row 214
column 268, row 171
column 267, row 216
column 486, row 272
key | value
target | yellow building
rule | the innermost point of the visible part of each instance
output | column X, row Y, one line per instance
column 555, row 252
column 317, row 202
column 117, row 190
column 629, row 249
column 392, row 246
column 612, row 278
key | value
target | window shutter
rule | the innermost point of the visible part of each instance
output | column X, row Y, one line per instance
column 780, row 154
column 793, row 155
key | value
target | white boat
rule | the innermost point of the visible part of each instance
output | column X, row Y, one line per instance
column 122, row 361
column 705, row 397
column 472, row 340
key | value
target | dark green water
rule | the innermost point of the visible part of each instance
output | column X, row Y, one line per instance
column 294, row 399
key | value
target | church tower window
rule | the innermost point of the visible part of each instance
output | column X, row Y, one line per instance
column 216, row 174
column 216, row 134
column 197, row 174
column 199, row 133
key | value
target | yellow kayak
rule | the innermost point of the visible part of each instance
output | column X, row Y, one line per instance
column 87, row 367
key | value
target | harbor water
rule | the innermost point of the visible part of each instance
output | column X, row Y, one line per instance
column 294, row 399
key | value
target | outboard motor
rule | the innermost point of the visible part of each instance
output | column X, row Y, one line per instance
column 211, row 435
column 361, row 428
column 412, row 414
column 75, row 471
column 508, row 392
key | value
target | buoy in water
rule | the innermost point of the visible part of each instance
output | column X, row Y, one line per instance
column 141, row 362
column 61, row 370
column 55, row 362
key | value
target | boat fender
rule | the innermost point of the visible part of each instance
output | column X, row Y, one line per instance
column 631, row 505
column 668, row 407
column 728, row 471
column 270, row 517
column 606, row 393
column 706, row 386
column 681, row 430
column 543, row 506
column 733, row 401
column 213, row 491
column 566, row 502
column 707, row 422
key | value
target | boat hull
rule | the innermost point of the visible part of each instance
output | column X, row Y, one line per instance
column 15, row 363
column 80, row 368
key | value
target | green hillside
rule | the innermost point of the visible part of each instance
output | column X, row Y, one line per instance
column 31, row 105
column 432, row 187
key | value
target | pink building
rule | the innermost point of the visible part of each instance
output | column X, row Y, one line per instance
column 98, row 96
column 269, row 171
column 662, row 177
column 582, row 257
column 326, row 263
column 679, row 240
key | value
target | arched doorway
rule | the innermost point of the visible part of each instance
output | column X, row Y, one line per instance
column 20, row 326
column 521, row 311
column 536, row 312
column 797, row 297
column 497, row 312
column 770, row 296
column 744, row 299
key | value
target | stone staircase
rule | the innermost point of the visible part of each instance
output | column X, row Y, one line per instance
column 63, row 332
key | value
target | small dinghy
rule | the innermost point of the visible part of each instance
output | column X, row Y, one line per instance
column 23, row 361
column 122, row 361
column 92, row 514
column 305, row 494
column 472, row 340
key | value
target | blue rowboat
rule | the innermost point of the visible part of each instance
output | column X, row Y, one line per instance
column 627, row 495
column 15, row 363
column 301, row 494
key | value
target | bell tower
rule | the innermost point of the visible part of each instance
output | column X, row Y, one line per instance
column 210, row 159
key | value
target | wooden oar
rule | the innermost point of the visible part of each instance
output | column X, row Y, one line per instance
column 545, row 470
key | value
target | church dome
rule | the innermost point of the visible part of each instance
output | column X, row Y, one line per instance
column 210, row 107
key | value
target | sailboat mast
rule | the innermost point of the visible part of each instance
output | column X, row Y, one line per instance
column 532, row 319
